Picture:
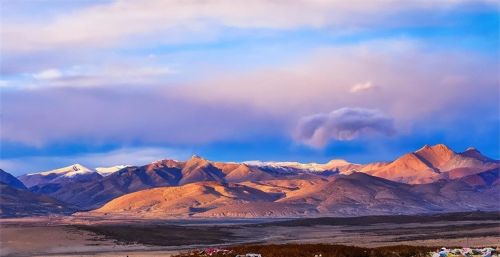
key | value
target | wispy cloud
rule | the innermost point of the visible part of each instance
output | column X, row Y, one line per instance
column 48, row 74
column 122, row 156
column 109, row 74
column 363, row 87
column 342, row 124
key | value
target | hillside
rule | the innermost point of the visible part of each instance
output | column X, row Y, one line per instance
column 7, row 179
column 344, row 195
column 433, row 163
column 15, row 202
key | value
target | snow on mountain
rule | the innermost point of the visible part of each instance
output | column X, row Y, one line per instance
column 295, row 165
column 313, row 167
column 69, row 171
column 335, row 166
column 75, row 172
column 106, row 171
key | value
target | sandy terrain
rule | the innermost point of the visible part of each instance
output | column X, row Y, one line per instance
column 61, row 241
column 384, row 234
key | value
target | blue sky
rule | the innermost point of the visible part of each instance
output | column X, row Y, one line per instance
column 127, row 82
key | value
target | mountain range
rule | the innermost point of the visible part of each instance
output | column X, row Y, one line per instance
column 431, row 179
column 343, row 195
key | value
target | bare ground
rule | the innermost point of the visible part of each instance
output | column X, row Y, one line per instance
column 68, row 236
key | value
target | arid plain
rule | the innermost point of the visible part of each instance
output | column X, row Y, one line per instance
column 69, row 236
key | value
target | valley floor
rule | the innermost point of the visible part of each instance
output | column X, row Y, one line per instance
column 70, row 236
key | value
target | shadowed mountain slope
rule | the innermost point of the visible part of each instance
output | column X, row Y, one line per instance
column 15, row 202
column 10, row 180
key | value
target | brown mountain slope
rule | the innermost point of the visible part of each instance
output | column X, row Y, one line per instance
column 358, row 194
column 198, row 169
column 184, row 200
column 344, row 195
column 409, row 168
column 237, row 172
column 435, row 156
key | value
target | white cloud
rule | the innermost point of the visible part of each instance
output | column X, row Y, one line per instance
column 342, row 124
column 48, row 74
column 362, row 87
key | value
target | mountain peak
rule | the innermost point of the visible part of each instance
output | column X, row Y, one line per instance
column 435, row 155
column 425, row 147
column 196, row 160
column 196, row 157
column 437, row 150
column 78, row 167
column 441, row 146
column 476, row 154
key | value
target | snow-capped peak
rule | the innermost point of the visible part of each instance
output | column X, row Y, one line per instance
column 106, row 171
column 69, row 171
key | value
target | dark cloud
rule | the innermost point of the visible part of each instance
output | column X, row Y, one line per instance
column 342, row 124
